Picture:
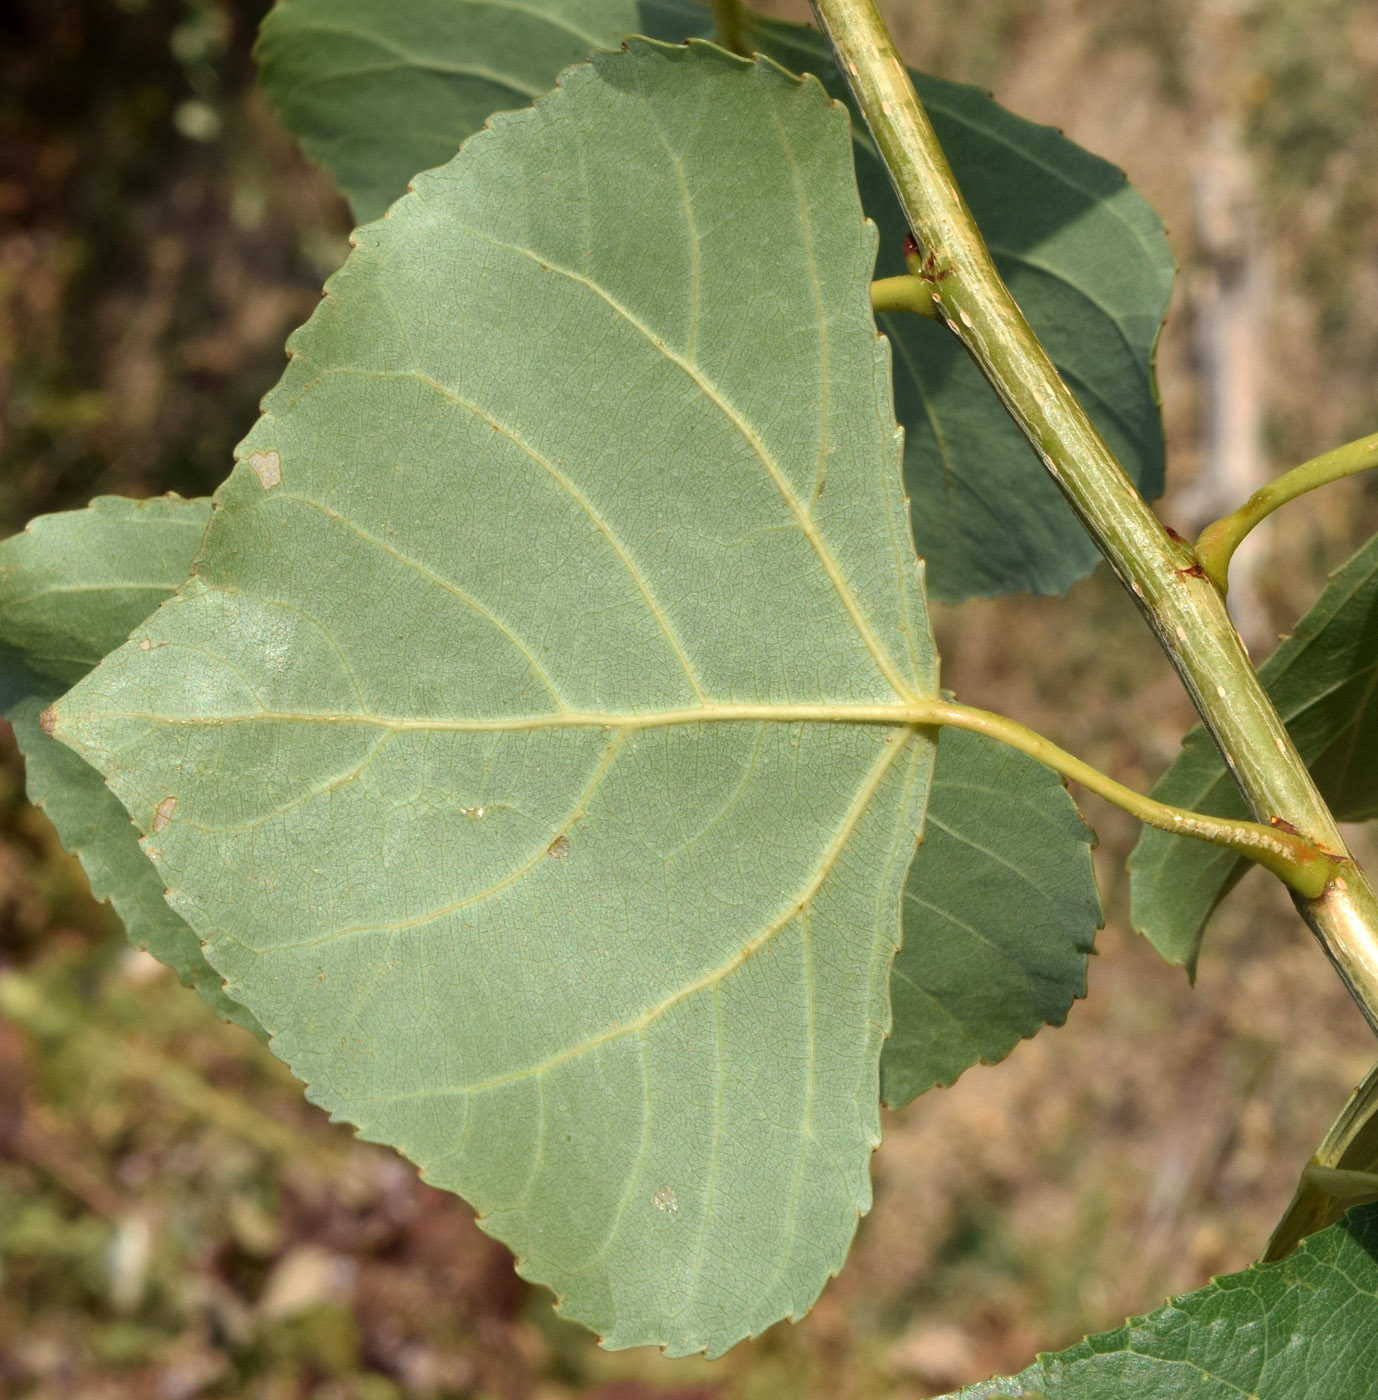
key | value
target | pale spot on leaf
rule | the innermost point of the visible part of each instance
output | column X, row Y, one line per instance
column 664, row 1198
column 558, row 848
column 163, row 813
column 267, row 467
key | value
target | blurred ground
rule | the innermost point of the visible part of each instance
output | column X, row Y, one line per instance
column 176, row 1222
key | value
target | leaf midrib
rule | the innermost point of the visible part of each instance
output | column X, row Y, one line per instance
column 910, row 714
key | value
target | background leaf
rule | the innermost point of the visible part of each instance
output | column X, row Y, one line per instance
column 1323, row 680
column 1000, row 915
column 1299, row 1329
column 508, row 748
column 72, row 588
column 379, row 92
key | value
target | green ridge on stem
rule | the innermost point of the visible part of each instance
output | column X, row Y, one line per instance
column 1216, row 544
column 1181, row 604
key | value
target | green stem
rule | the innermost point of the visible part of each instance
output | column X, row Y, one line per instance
column 903, row 294
column 1184, row 608
column 1218, row 541
column 1295, row 861
column 729, row 22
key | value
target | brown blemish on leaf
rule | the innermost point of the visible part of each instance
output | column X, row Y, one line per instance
column 163, row 813
column 558, row 848
column 267, row 467
column 47, row 721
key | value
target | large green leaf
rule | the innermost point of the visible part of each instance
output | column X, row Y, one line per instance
column 1324, row 682
column 72, row 588
column 378, row 92
column 1302, row 1329
column 1000, row 915
column 529, row 748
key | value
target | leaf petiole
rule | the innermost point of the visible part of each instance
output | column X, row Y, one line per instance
column 1218, row 541
column 907, row 293
column 1298, row 863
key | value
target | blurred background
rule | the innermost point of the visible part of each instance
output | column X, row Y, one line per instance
column 175, row 1220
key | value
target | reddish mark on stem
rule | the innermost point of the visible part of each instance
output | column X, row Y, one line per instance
column 931, row 272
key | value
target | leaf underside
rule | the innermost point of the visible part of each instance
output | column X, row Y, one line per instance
column 522, row 749
column 1300, row 1329
column 72, row 588
column 1000, row 915
column 1323, row 680
column 378, row 92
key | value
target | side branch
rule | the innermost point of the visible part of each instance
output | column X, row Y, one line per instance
column 1181, row 604
column 1216, row 544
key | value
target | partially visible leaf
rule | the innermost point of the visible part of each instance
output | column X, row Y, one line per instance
column 1302, row 1329
column 72, row 588
column 1324, row 682
column 530, row 748
column 1000, row 915
column 94, row 827
column 1343, row 1171
column 378, row 92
